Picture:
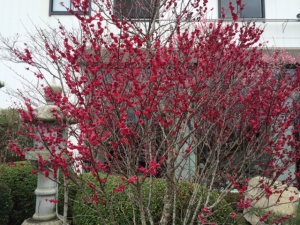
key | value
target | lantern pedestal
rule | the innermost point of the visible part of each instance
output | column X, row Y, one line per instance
column 45, row 208
column 45, row 202
column 45, row 194
column 35, row 222
column 46, row 191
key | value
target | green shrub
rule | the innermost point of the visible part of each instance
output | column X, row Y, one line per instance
column 9, row 131
column 122, row 205
column 71, row 197
column 6, row 204
column 22, row 184
column 293, row 221
column 296, row 219
column 276, row 218
column 232, row 199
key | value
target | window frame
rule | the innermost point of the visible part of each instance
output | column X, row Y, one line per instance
column 262, row 9
column 130, row 17
column 65, row 13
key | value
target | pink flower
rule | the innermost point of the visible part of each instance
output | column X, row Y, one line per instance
column 202, row 219
column 120, row 188
column 132, row 179
column 232, row 215
column 206, row 210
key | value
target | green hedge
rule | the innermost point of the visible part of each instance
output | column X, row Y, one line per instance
column 121, row 204
column 9, row 128
column 274, row 218
column 22, row 184
column 6, row 204
column 233, row 199
column 72, row 190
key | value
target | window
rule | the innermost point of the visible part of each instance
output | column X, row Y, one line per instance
column 56, row 8
column 134, row 9
column 253, row 8
column 291, row 69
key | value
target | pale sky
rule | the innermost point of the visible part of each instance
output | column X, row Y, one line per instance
column 11, row 74
column 7, row 76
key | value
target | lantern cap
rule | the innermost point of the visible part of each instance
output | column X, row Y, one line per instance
column 46, row 112
column 55, row 89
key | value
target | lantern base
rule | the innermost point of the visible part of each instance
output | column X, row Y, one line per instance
column 31, row 221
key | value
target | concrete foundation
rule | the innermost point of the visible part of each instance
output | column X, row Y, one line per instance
column 31, row 221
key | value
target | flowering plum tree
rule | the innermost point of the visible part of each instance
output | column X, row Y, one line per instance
column 170, row 96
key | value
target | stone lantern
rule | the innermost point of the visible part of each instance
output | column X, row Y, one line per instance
column 45, row 211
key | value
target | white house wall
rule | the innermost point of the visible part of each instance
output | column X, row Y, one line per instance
column 285, row 33
column 19, row 15
column 16, row 18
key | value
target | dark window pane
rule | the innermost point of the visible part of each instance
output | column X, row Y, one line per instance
column 55, row 8
column 290, row 72
column 144, row 9
column 253, row 9
column 134, row 8
column 58, row 7
column 225, row 4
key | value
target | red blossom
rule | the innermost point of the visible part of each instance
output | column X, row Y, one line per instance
column 206, row 210
column 132, row 179
column 232, row 215
column 120, row 188
column 265, row 216
column 46, row 173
